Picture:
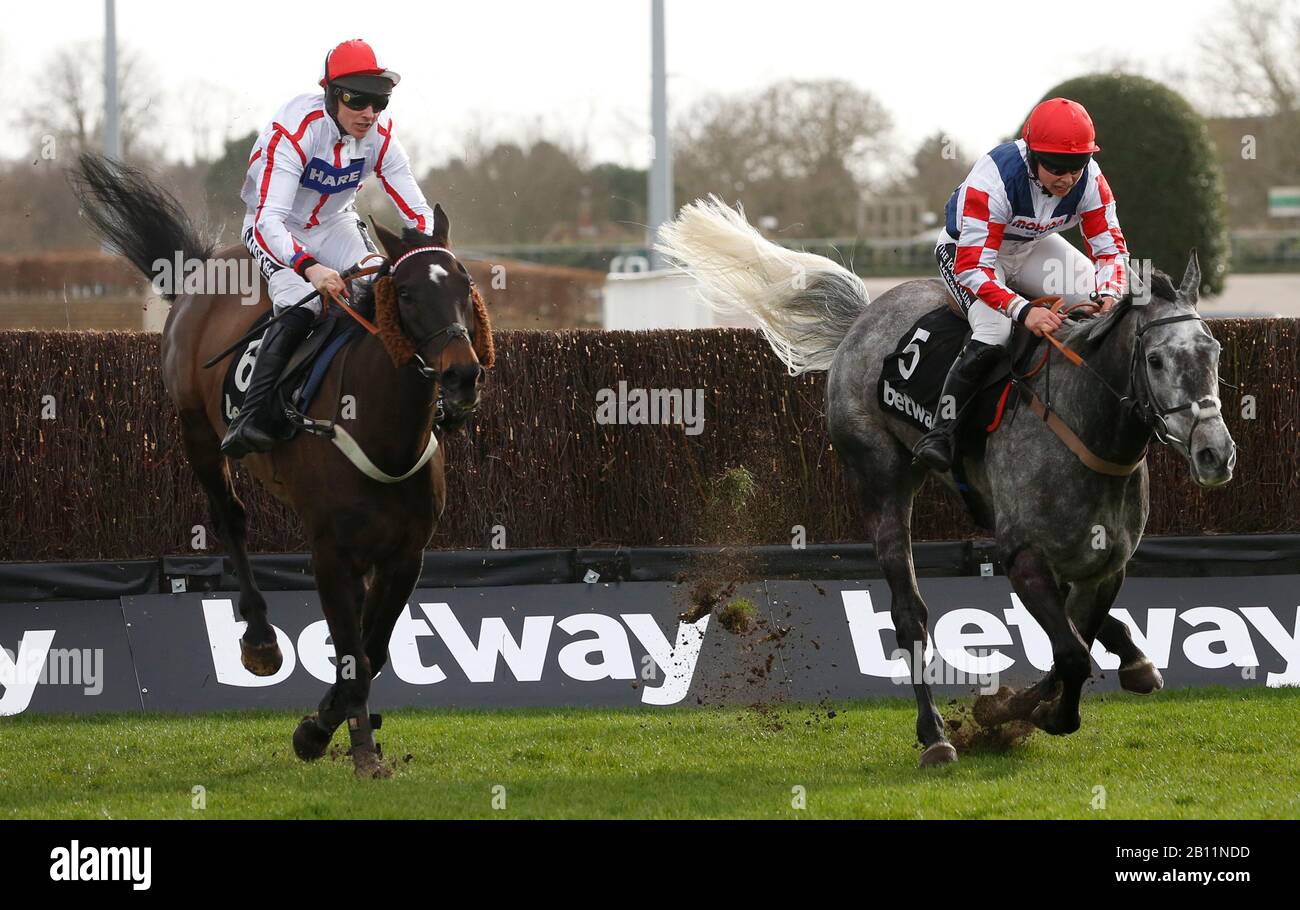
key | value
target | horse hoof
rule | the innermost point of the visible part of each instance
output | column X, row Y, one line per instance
column 1142, row 678
column 310, row 739
column 261, row 660
column 992, row 710
column 941, row 753
column 368, row 765
column 1046, row 718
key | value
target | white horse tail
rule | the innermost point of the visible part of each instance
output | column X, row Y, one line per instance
column 803, row 303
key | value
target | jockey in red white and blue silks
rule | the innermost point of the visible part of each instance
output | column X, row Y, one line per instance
column 302, row 226
column 303, row 175
column 1000, row 246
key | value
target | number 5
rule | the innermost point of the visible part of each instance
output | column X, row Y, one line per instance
column 914, row 348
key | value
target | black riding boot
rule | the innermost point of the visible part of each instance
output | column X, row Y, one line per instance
column 281, row 339
column 936, row 448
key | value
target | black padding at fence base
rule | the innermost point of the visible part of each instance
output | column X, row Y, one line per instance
column 1174, row 557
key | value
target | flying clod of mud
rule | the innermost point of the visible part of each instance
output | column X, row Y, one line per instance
column 737, row 617
column 968, row 736
column 727, row 522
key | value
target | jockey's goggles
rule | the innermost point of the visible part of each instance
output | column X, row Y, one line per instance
column 359, row 101
column 1064, row 164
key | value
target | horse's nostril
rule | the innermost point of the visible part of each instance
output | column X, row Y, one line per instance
column 459, row 377
column 1206, row 458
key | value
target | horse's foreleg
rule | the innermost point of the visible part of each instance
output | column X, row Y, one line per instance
column 314, row 732
column 258, row 648
column 339, row 582
column 394, row 581
column 1033, row 580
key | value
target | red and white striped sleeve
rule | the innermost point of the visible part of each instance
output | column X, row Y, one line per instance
column 1102, row 236
column 985, row 212
column 277, row 188
column 393, row 168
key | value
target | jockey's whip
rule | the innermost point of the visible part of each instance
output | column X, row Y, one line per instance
column 357, row 271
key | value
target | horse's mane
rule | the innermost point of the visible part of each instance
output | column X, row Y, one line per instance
column 1087, row 331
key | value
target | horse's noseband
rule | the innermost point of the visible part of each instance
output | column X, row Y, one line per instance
column 453, row 331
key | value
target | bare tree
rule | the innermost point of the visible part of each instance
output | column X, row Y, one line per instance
column 69, row 99
column 1251, row 76
column 939, row 165
column 800, row 152
column 1253, row 59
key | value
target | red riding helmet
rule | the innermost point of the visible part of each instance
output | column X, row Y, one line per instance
column 353, row 65
column 1059, row 126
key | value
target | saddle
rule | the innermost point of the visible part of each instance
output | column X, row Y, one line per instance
column 912, row 378
column 913, row 374
column 298, row 383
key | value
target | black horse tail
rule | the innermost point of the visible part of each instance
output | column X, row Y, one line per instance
column 138, row 218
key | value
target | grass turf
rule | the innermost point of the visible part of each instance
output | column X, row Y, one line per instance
column 1193, row 754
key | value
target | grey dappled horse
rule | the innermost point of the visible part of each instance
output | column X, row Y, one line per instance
column 1063, row 531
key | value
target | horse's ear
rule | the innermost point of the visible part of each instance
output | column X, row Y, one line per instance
column 484, row 348
column 1191, row 288
column 391, row 243
column 441, row 226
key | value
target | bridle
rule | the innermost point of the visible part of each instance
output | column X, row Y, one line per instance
column 1149, row 410
column 452, row 331
column 337, row 433
column 1140, row 399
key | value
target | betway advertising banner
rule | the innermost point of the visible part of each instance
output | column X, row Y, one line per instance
column 627, row 644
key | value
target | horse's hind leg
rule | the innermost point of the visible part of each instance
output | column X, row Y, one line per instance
column 1136, row 671
column 259, row 650
column 886, row 483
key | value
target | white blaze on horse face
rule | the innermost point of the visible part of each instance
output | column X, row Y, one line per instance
column 437, row 273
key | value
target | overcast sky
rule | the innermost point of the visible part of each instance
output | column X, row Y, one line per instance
column 513, row 68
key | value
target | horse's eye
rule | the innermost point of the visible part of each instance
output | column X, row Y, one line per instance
column 1153, row 360
column 401, row 292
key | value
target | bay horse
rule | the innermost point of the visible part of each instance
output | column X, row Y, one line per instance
column 1064, row 531
column 425, row 363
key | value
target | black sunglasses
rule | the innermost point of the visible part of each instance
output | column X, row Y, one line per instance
column 359, row 101
column 1058, row 170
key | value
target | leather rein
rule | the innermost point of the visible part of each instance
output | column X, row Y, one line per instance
column 1140, row 400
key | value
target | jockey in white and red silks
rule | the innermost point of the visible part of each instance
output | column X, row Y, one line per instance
column 1000, row 247
column 302, row 227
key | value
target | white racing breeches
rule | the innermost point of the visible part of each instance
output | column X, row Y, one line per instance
column 1047, row 267
column 339, row 243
